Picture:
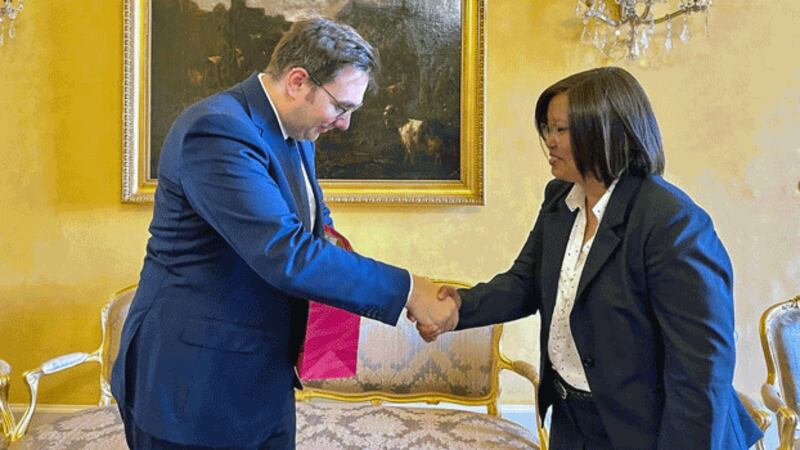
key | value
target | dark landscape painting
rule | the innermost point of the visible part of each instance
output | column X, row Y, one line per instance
column 407, row 130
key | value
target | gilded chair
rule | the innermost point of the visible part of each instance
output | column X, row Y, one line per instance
column 396, row 366
column 780, row 339
column 98, row 427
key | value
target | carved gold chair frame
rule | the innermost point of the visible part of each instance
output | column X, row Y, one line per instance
column 774, row 390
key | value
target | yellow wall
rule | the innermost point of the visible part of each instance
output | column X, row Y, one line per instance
column 729, row 106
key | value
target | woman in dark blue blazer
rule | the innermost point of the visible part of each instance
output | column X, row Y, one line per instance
column 632, row 284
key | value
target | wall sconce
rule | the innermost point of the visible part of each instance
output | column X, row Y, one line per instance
column 8, row 13
column 627, row 27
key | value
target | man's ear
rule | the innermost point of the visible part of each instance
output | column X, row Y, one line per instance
column 295, row 84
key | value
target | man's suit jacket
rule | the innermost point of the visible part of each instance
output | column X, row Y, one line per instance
column 652, row 319
column 213, row 333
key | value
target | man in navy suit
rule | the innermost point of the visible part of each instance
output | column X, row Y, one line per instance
column 237, row 247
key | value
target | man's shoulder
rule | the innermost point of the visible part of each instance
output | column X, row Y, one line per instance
column 225, row 103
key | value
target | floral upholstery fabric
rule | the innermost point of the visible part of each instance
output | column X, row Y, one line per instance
column 355, row 426
column 320, row 426
column 90, row 429
column 396, row 360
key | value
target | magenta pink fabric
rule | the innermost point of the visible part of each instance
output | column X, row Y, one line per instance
column 330, row 349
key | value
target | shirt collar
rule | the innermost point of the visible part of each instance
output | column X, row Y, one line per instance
column 272, row 104
column 577, row 198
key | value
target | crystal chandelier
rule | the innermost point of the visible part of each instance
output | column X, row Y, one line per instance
column 627, row 27
column 8, row 13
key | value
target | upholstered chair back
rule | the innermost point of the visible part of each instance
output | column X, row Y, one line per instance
column 395, row 364
column 390, row 359
column 785, row 337
column 782, row 333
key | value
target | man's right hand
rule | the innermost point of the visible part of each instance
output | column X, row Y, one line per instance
column 432, row 314
column 429, row 333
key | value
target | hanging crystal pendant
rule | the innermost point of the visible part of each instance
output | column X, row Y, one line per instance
column 686, row 34
column 585, row 35
column 617, row 36
column 645, row 39
column 596, row 38
column 603, row 38
column 668, row 38
column 634, row 51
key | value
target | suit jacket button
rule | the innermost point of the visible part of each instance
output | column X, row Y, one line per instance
column 588, row 362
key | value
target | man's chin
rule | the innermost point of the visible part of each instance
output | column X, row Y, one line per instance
column 313, row 135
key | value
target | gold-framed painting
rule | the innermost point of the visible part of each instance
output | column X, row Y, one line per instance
column 418, row 139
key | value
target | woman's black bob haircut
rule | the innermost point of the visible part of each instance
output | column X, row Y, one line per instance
column 612, row 127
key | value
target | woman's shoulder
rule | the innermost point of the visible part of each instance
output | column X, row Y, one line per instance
column 555, row 190
column 555, row 187
column 662, row 199
column 659, row 189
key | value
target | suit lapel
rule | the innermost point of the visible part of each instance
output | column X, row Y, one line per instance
column 611, row 228
column 264, row 119
column 556, row 228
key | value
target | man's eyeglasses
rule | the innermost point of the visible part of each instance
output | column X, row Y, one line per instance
column 340, row 108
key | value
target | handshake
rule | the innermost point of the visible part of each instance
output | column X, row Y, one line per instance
column 434, row 309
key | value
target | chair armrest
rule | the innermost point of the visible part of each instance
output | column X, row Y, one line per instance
column 787, row 419
column 49, row 367
column 526, row 370
column 529, row 372
column 772, row 397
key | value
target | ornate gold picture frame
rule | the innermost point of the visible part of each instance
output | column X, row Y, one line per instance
column 418, row 139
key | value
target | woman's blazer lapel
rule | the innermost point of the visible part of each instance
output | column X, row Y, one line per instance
column 611, row 230
column 557, row 221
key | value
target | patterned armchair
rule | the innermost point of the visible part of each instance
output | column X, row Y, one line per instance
column 780, row 339
column 394, row 365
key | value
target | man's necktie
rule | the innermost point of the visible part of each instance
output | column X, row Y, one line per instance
column 298, row 182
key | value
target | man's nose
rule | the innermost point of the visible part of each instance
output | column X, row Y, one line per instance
column 343, row 122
